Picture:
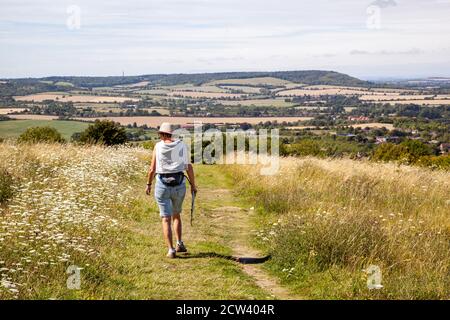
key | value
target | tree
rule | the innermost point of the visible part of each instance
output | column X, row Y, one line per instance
column 104, row 132
column 409, row 151
column 390, row 152
column 417, row 149
column 41, row 134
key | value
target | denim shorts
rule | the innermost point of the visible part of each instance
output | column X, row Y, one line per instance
column 169, row 199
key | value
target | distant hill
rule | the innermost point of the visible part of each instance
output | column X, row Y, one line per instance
column 308, row 77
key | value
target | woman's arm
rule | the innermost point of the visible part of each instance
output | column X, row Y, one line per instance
column 191, row 176
column 151, row 173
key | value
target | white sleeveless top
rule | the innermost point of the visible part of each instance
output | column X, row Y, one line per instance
column 171, row 157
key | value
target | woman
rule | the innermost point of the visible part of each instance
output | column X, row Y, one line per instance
column 169, row 161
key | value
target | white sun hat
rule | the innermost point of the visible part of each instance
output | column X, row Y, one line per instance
column 165, row 127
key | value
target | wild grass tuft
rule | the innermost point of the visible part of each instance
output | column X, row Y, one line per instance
column 328, row 220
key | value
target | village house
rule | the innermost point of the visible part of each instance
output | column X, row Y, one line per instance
column 393, row 139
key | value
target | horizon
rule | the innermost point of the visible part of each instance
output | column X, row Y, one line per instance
column 369, row 78
column 373, row 39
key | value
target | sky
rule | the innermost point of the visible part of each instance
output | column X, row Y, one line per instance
column 374, row 39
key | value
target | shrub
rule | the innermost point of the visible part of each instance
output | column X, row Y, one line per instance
column 6, row 191
column 416, row 149
column 408, row 152
column 104, row 132
column 389, row 152
column 438, row 162
column 150, row 144
column 41, row 134
column 324, row 147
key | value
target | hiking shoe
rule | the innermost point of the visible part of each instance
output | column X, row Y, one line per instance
column 171, row 254
column 181, row 247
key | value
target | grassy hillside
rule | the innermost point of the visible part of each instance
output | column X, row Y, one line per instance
column 306, row 77
column 326, row 221
column 13, row 128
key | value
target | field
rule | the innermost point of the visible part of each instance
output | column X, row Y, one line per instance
column 134, row 85
column 11, row 110
column 376, row 95
column 207, row 95
column 324, row 222
column 374, row 125
column 156, row 121
column 32, row 117
column 73, row 98
column 83, row 208
column 12, row 129
column 245, row 89
column 259, row 103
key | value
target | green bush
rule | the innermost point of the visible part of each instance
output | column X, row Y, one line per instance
column 150, row 144
column 408, row 152
column 324, row 147
column 104, row 132
column 437, row 162
column 389, row 152
column 6, row 190
column 41, row 134
column 416, row 149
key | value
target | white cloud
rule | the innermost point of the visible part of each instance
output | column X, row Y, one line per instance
column 153, row 36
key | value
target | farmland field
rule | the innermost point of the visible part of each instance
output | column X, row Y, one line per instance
column 32, row 117
column 422, row 102
column 73, row 98
column 156, row 121
column 388, row 126
column 134, row 85
column 319, row 91
column 207, row 95
column 11, row 110
column 245, row 89
column 258, row 102
column 13, row 128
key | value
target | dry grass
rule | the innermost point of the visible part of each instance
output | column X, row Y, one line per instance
column 388, row 126
column 11, row 110
column 330, row 219
column 32, row 117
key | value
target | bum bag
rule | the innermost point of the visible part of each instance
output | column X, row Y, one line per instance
column 172, row 179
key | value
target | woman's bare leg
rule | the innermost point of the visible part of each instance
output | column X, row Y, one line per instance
column 167, row 230
column 177, row 226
